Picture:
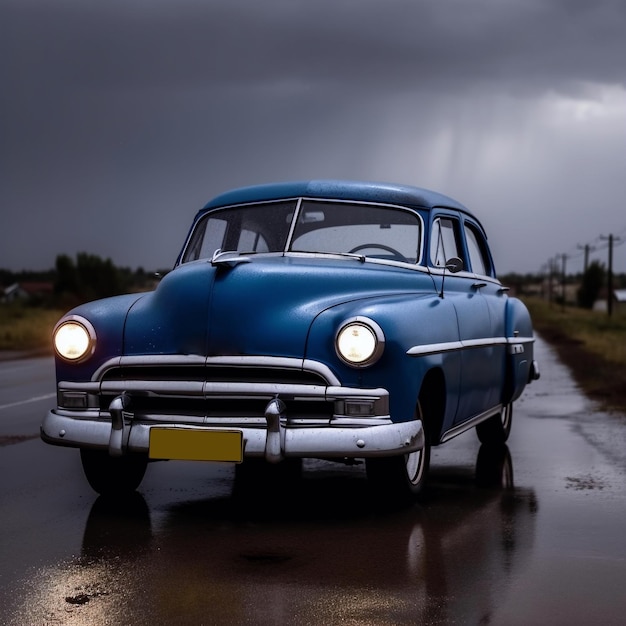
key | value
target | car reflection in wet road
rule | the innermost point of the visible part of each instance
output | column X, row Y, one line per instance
column 323, row 555
column 482, row 549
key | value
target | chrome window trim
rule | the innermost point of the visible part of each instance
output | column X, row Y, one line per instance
column 292, row 227
column 439, row 271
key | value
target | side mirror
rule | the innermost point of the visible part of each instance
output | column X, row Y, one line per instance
column 454, row 265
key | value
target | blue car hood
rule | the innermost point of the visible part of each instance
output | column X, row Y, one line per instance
column 263, row 307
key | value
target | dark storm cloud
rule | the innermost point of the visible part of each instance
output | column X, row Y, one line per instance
column 119, row 119
column 170, row 45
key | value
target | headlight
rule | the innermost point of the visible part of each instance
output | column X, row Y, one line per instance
column 360, row 342
column 74, row 338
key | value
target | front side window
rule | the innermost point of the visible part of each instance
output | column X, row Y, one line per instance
column 444, row 241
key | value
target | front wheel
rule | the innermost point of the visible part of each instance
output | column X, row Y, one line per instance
column 113, row 475
column 496, row 429
column 401, row 478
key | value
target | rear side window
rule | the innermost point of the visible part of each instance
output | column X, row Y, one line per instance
column 477, row 250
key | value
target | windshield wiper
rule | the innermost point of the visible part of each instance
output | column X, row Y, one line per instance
column 350, row 255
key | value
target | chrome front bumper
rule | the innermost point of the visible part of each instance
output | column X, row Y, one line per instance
column 272, row 438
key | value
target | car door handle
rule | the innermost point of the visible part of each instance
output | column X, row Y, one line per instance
column 478, row 285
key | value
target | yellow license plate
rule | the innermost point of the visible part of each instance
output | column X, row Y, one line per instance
column 186, row 444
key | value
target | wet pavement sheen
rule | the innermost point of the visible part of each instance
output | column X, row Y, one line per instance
column 528, row 534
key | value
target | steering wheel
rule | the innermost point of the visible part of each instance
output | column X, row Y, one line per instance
column 398, row 256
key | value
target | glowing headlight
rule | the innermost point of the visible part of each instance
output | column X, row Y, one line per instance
column 74, row 339
column 360, row 342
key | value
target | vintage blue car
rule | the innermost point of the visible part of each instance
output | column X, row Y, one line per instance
column 321, row 319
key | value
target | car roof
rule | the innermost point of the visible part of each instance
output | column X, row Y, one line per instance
column 388, row 193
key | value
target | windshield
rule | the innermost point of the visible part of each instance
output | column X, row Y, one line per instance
column 369, row 230
column 322, row 227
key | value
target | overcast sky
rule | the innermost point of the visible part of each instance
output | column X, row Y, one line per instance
column 120, row 119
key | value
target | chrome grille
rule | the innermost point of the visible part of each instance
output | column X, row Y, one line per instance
column 170, row 387
column 214, row 373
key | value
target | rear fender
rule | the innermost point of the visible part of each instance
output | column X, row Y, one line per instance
column 520, row 350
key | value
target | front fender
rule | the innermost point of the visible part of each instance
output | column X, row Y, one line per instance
column 406, row 321
column 108, row 317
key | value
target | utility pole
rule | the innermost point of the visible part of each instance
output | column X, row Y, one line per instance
column 564, row 260
column 587, row 248
column 543, row 271
column 550, row 270
column 609, row 298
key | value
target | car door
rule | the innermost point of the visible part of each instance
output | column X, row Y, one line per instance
column 481, row 265
column 474, row 324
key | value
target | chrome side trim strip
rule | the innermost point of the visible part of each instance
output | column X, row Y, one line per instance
column 513, row 340
column 468, row 344
column 471, row 423
column 435, row 348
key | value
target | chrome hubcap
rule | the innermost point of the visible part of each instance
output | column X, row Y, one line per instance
column 414, row 466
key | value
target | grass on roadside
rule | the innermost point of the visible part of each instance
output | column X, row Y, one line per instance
column 594, row 330
column 27, row 328
column 591, row 343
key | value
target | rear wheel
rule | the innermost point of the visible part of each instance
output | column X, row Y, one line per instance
column 401, row 478
column 113, row 475
column 494, row 468
column 496, row 429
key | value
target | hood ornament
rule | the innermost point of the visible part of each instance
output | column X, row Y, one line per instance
column 228, row 258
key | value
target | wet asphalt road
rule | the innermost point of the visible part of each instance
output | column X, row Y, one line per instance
column 538, row 540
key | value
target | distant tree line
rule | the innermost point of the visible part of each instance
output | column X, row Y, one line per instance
column 87, row 277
